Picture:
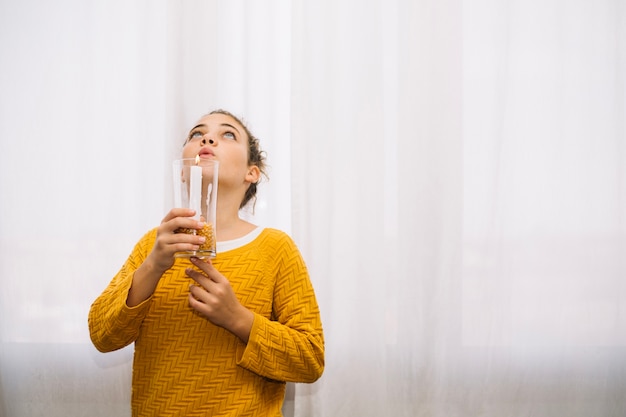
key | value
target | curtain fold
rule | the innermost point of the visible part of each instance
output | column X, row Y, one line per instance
column 491, row 182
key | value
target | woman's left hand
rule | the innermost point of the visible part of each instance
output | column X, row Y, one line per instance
column 214, row 299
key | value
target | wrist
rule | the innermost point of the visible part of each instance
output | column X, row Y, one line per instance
column 153, row 268
column 144, row 283
column 242, row 326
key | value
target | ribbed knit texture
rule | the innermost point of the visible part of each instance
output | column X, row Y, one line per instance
column 186, row 366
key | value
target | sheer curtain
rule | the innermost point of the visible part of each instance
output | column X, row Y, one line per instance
column 459, row 193
column 453, row 172
column 96, row 99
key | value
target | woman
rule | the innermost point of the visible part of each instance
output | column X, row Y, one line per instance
column 220, row 337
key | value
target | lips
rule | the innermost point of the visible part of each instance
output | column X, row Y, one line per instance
column 206, row 153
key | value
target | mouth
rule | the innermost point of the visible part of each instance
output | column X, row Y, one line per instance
column 206, row 153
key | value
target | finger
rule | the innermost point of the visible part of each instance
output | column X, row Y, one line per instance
column 207, row 267
column 181, row 247
column 179, row 241
column 198, row 305
column 182, row 225
column 199, row 277
column 178, row 212
column 202, row 301
column 197, row 293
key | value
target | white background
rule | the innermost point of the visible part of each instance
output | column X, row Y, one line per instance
column 453, row 171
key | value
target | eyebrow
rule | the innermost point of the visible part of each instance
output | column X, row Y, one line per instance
column 222, row 125
column 197, row 126
column 232, row 127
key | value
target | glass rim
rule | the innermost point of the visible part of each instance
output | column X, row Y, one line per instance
column 193, row 160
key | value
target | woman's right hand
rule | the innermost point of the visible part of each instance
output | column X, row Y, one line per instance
column 161, row 258
column 169, row 241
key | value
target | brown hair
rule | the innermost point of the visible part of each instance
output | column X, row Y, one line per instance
column 256, row 156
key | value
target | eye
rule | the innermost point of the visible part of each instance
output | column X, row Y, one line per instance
column 194, row 134
column 230, row 135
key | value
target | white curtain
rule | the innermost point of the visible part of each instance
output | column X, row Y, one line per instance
column 454, row 172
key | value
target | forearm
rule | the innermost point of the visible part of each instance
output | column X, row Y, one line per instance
column 242, row 325
column 112, row 324
column 279, row 352
column 144, row 282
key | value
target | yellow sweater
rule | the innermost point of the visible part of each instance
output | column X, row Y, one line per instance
column 186, row 366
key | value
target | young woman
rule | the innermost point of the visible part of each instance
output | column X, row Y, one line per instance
column 219, row 337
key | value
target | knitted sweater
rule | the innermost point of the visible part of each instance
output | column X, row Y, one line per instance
column 186, row 366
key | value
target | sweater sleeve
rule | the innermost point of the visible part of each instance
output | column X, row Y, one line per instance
column 291, row 347
column 112, row 324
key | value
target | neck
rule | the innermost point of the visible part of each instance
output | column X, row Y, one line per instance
column 229, row 225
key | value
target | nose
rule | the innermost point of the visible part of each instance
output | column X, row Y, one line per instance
column 205, row 141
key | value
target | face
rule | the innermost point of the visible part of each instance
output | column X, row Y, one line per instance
column 220, row 137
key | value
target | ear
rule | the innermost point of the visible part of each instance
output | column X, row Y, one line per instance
column 253, row 175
